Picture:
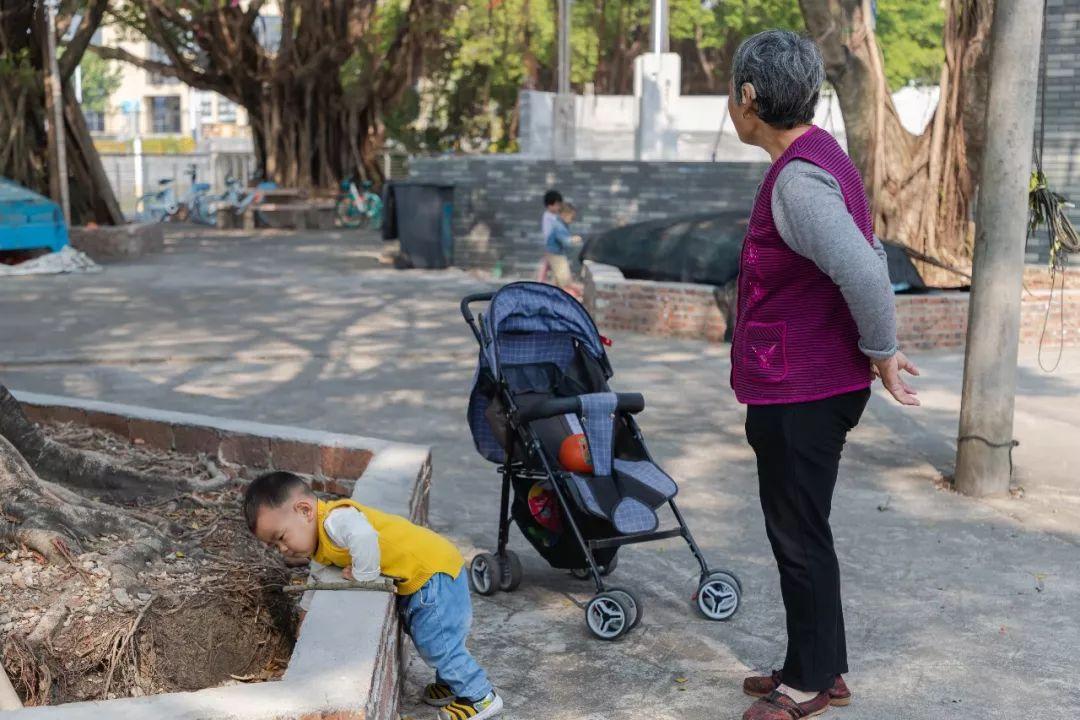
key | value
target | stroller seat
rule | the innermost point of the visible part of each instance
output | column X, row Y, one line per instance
column 624, row 492
column 628, row 498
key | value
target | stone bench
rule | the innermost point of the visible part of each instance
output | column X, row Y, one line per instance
column 111, row 243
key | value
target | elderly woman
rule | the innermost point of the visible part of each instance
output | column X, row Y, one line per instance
column 815, row 324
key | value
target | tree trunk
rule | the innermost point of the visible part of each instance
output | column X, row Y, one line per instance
column 922, row 186
column 23, row 148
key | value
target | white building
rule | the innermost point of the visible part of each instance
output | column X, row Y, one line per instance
column 154, row 105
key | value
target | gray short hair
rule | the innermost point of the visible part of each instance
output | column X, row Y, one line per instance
column 786, row 71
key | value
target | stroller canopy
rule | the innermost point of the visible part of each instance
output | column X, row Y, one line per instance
column 535, row 308
column 526, row 323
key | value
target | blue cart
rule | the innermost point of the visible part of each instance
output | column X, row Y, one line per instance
column 29, row 220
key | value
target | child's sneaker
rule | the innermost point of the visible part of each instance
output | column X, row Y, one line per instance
column 437, row 694
column 460, row 709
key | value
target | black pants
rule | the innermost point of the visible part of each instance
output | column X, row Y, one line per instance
column 798, row 450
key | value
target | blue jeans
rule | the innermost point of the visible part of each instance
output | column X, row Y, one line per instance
column 438, row 617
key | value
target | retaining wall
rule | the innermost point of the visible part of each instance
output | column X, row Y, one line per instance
column 346, row 663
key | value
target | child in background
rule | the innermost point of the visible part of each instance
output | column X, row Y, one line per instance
column 432, row 590
column 553, row 201
column 559, row 243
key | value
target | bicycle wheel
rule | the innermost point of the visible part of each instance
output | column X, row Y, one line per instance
column 201, row 211
column 346, row 212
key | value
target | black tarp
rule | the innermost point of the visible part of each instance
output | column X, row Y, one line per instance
column 702, row 248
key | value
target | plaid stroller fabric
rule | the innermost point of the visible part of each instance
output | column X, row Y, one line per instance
column 531, row 339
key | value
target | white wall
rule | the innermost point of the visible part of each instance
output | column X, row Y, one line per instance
column 606, row 124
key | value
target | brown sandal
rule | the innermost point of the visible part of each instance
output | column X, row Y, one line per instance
column 778, row 706
column 761, row 685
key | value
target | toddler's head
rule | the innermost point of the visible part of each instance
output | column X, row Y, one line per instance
column 568, row 213
column 281, row 510
column 553, row 201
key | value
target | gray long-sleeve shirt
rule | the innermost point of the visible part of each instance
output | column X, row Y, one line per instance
column 810, row 214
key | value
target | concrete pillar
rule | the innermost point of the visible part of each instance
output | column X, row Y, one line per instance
column 564, row 135
column 562, row 119
column 657, row 88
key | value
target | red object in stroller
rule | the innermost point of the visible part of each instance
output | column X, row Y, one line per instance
column 541, row 378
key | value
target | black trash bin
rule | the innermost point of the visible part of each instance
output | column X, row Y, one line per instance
column 421, row 219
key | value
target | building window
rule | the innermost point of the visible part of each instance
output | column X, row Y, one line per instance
column 159, row 56
column 206, row 107
column 226, row 111
column 164, row 114
column 95, row 120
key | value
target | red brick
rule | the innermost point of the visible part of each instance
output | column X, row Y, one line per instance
column 295, row 456
column 36, row 414
column 196, row 439
column 344, row 462
column 107, row 421
column 343, row 488
column 153, row 433
column 250, row 450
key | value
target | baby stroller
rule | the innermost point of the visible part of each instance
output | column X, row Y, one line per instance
column 541, row 393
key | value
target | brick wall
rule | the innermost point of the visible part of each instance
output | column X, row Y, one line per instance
column 681, row 310
column 925, row 322
column 498, row 200
column 332, row 468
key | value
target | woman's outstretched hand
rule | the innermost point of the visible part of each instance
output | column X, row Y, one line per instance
column 889, row 372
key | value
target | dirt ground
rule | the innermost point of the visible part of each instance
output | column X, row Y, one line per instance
column 210, row 612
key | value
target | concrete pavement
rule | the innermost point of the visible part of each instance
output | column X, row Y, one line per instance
column 956, row 608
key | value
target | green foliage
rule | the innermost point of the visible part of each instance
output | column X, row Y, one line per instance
column 17, row 70
column 99, row 81
column 910, row 35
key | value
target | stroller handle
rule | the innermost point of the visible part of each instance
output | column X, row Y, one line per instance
column 470, row 299
column 551, row 407
column 467, row 313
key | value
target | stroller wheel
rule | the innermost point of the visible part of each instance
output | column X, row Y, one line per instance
column 718, row 596
column 511, row 574
column 638, row 610
column 609, row 615
column 729, row 576
column 484, row 570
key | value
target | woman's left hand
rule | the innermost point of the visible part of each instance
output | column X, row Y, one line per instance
column 889, row 372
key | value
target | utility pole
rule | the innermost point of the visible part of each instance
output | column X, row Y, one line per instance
column 563, row 119
column 983, row 458
column 660, row 40
column 58, row 178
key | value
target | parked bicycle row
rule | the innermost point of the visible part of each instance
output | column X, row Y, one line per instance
column 357, row 204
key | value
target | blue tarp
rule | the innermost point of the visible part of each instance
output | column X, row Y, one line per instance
column 29, row 220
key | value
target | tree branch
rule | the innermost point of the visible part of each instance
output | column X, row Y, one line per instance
column 77, row 47
column 198, row 80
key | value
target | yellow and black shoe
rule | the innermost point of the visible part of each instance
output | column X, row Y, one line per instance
column 460, row 709
column 437, row 694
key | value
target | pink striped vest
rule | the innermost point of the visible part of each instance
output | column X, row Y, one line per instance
column 795, row 339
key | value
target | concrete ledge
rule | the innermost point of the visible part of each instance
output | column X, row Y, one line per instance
column 347, row 660
column 118, row 242
column 930, row 321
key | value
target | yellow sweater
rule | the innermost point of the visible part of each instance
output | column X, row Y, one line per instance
column 406, row 551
